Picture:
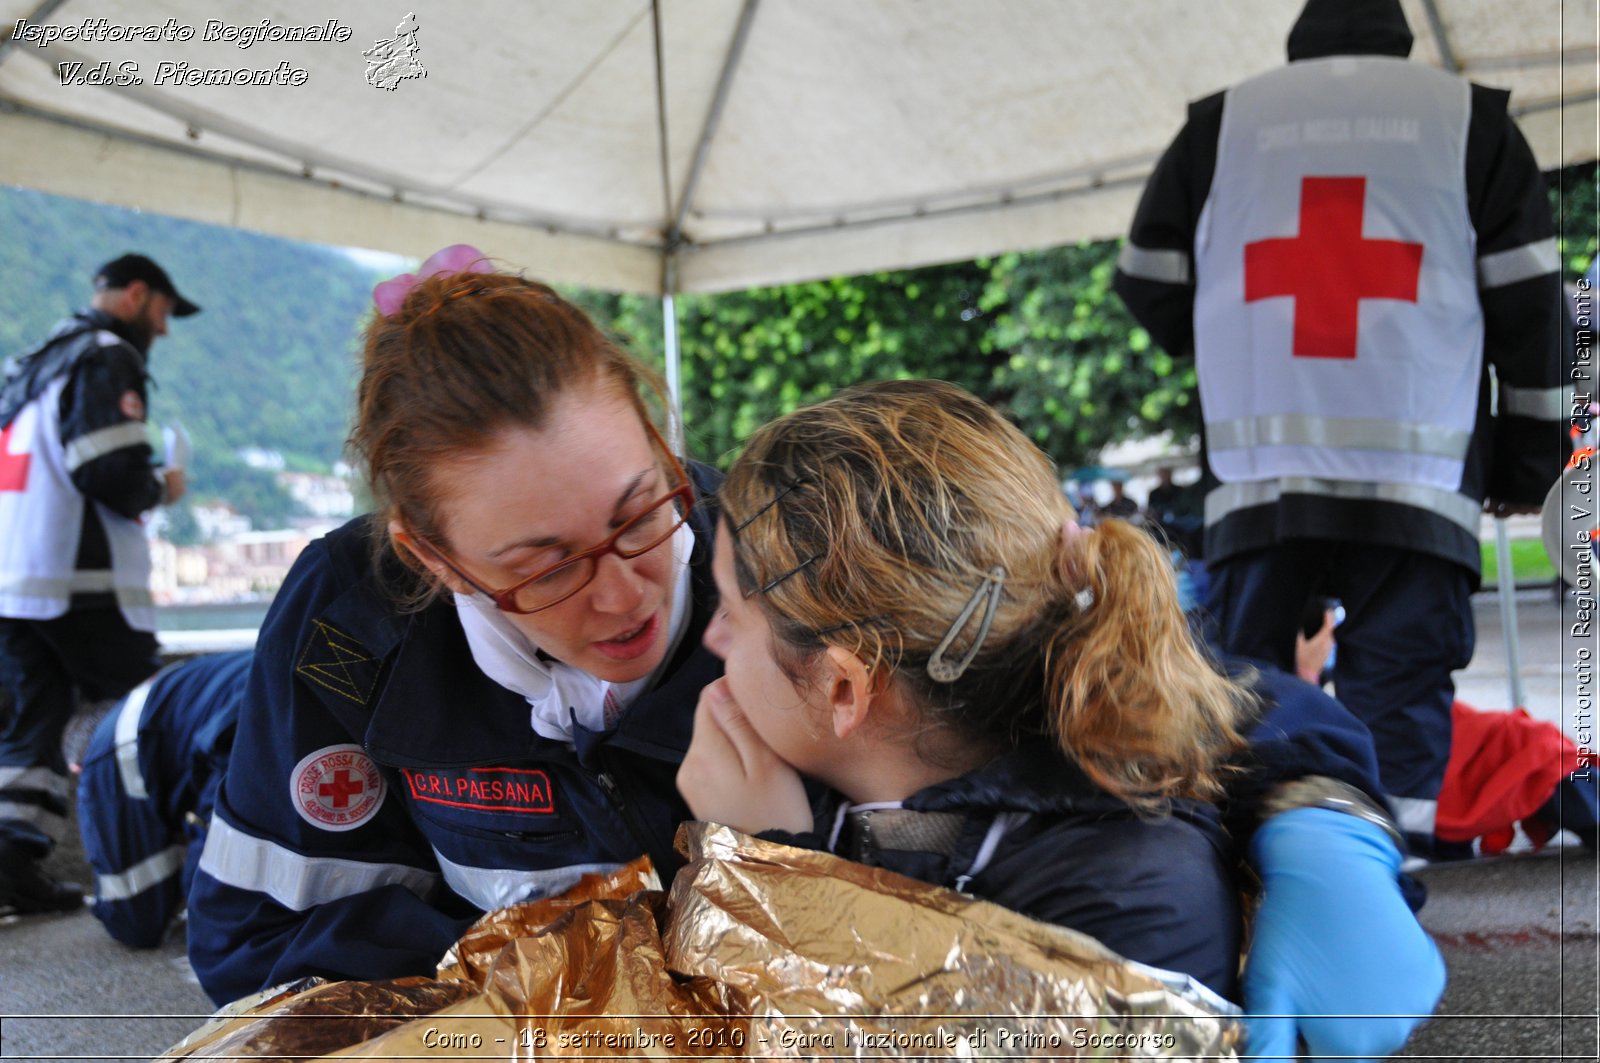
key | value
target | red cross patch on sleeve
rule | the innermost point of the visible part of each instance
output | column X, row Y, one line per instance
column 336, row 787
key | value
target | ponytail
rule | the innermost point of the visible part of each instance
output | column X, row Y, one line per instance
column 1129, row 694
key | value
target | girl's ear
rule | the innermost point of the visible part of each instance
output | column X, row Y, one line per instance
column 849, row 689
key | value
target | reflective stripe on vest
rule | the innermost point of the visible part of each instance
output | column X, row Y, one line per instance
column 1353, row 433
column 294, row 880
column 1455, row 507
column 1338, row 332
column 82, row 581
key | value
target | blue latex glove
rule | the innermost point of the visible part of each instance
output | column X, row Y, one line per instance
column 1334, row 938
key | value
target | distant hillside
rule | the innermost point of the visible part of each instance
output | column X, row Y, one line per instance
column 270, row 363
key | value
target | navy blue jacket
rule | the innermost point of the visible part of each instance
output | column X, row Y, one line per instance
column 1158, row 890
column 1300, row 731
column 150, row 778
column 386, row 792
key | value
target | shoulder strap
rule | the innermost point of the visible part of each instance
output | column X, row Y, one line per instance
column 29, row 375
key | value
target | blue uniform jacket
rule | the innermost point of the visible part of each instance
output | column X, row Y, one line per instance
column 149, row 780
column 1161, row 891
column 386, row 792
column 1039, row 838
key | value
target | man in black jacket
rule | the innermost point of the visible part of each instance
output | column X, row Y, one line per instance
column 1347, row 245
column 76, row 615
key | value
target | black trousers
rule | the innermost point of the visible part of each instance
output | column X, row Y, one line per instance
column 45, row 665
column 1408, row 625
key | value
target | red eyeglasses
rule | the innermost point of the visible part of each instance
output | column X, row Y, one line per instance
column 560, row 581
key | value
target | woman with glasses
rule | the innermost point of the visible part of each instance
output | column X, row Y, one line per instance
column 483, row 691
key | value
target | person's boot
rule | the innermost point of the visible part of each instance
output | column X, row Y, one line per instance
column 26, row 890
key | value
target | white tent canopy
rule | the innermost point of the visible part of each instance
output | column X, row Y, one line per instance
column 693, row 145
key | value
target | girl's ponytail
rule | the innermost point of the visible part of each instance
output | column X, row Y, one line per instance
column 1129, row 694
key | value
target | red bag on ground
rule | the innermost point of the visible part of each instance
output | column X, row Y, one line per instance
column 1503, row 767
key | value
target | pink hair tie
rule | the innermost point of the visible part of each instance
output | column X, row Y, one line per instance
column 457, row 258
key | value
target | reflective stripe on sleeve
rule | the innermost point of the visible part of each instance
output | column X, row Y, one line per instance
column 127, row 741
column 36, row 796
column 294, row 880
column 1519, row 264
column 1340, row 433
column 52, row 823
column 491, row 888
column 103, row 441
column 149, row 872
column 1167, row 267
column 1544, row 404
column 36, row 778
column 1229, row 498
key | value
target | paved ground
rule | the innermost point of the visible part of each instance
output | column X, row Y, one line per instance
column 1518, row 933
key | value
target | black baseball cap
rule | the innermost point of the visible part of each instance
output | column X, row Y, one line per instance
column 120, row 272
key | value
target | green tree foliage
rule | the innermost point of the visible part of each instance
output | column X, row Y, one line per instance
column 1078, row 372
column 1039, row 335
column 750, row 356
column 1575, row 201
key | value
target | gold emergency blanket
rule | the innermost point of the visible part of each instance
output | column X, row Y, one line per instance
column 765, row 950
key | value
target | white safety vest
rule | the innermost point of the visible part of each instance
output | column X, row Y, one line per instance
column 1337, row 327
column 41, row 517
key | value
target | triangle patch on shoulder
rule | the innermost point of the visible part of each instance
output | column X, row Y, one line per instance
column 337, row 662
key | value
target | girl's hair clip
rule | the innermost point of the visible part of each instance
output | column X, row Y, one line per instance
column 390, row 295
column 942, row 669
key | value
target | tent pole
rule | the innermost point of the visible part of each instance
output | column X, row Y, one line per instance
column 1447, row 53
column 669, row 337
column 40, row 14
column 1508, row 611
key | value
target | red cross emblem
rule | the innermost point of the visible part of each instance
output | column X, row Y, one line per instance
column 341, row 789
column 337, row 787
column 13, row 467
column 1330, row 267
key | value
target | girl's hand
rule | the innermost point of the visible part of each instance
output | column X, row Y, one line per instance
column 731, row 776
